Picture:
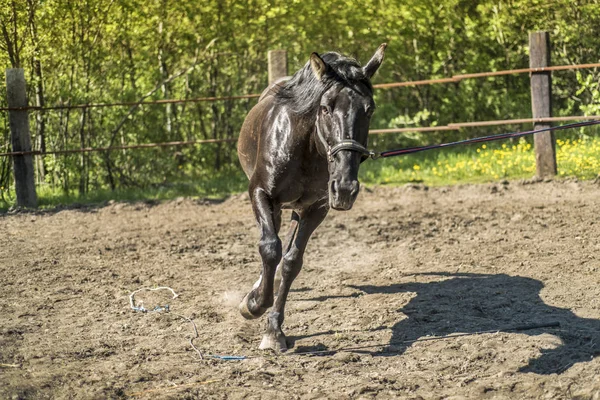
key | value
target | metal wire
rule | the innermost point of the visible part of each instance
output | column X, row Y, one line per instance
column 452, row 126
column 130, row 103
column 460, row 77
column 125, row 147
column 454, row 78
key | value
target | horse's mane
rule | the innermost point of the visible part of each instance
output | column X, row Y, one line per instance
column 303, row 91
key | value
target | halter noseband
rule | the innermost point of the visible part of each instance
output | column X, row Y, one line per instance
column 346, row 144
column 350, row 145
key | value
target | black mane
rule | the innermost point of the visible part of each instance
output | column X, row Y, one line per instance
column 303, row 91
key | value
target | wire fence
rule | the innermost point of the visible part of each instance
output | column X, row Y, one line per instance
column 111, row 148
column 130, row 103
column 449, row 127
column 452, row 79
column 460, row 77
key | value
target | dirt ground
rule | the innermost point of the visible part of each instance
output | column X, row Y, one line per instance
column 404, row 266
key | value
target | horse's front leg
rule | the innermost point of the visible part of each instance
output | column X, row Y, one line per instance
column 289, row 238
column 286, row 246
column 268, row 216
column 310, row 219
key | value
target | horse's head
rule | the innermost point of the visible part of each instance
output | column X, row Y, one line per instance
column 343, row 118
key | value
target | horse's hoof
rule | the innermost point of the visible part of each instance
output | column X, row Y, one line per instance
column 273, row 342
column 245, row 311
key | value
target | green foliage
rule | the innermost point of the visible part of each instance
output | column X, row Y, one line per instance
column 96, row 51
column 216, row 185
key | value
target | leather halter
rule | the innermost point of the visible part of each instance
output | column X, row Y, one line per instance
column 350, row 145
column 346, row 144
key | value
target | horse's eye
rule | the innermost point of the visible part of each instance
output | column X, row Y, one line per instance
column 370, row 111
column 325, row 110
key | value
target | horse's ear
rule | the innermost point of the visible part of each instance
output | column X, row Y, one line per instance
column 318, row 65
column 375, row 61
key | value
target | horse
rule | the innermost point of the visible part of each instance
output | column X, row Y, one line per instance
column 301, row 147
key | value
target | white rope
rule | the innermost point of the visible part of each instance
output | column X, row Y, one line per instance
column 141, row 308
column 166, row 309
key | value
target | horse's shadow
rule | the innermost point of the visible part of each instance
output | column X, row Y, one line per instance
column 481, row 302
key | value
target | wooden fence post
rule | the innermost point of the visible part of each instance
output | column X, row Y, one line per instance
column 277, row 65
column 541, row 103
column 16, row 94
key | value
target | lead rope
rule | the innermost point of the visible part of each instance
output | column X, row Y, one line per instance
column 410, row 150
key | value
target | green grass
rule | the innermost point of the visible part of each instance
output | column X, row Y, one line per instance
column 577, row 157
column 217, row 185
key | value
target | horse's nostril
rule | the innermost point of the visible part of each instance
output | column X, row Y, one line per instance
column 334, row 186
column 355, row 188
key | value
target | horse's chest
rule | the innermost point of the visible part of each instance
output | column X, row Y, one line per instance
column 304, row 191
column 297, row 182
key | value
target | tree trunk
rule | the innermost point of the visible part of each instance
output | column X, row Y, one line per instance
column 164, row 72
column 40, row 101
column 82, row 156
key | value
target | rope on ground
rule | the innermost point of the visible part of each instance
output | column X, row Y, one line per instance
column 141, row 308
column 196, row 335
column 167, row 309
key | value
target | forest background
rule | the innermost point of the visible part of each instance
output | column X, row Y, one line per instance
column 106, row 51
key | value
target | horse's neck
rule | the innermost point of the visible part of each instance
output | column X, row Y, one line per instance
column 273, row 88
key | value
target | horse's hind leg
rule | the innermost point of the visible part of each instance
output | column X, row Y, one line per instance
column 268, row 216
column 310, row 219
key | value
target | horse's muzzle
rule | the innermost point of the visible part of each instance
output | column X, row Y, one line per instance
column 343, row 193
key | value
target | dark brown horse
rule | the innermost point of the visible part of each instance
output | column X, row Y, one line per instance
column 301, row 147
